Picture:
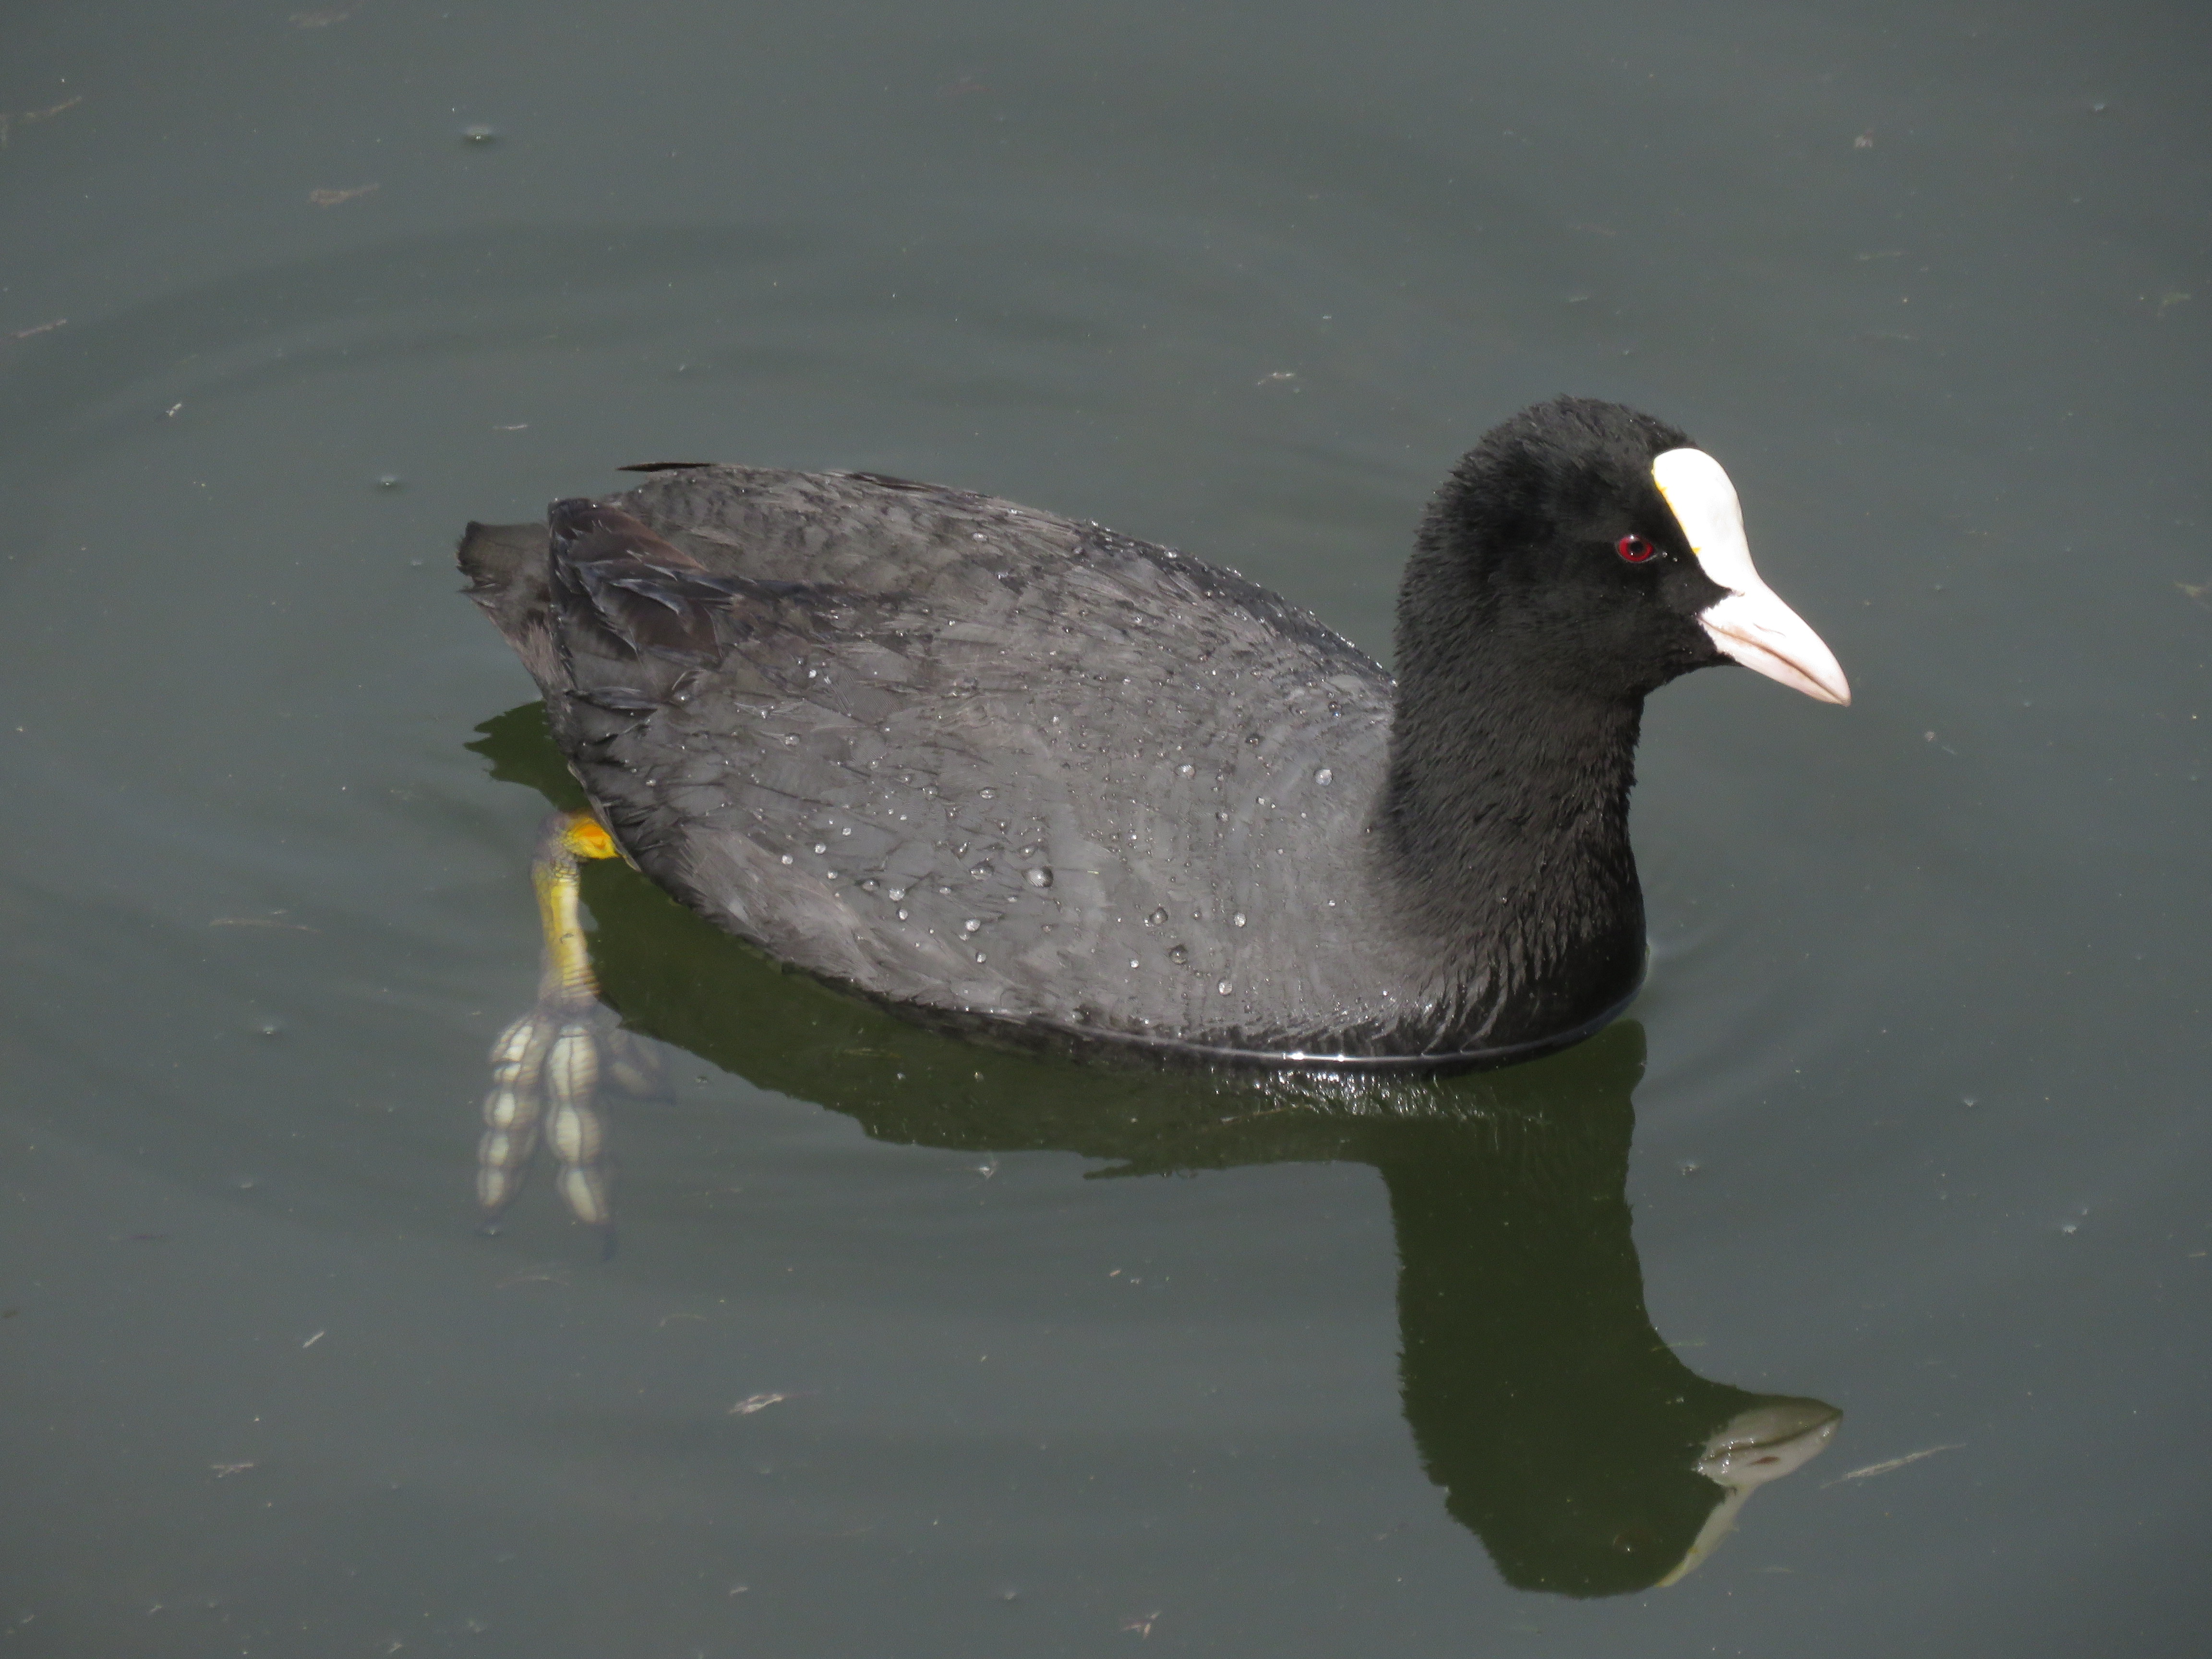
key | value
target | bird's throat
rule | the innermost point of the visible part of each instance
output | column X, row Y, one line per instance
column 1504, row 830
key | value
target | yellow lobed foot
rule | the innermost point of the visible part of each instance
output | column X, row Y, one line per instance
column 548, row 1068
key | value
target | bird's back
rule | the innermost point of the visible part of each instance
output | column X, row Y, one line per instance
column 975, row 760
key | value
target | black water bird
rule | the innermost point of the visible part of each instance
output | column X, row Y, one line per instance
column 1037, row 782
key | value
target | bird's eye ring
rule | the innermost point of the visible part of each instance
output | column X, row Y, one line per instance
column 1634, row 549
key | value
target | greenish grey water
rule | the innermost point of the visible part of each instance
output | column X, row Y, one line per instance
column 1908, row 1121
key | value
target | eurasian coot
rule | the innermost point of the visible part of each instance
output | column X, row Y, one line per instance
column 1030, row 779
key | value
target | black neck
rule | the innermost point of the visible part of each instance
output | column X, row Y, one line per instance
column 1504, row 816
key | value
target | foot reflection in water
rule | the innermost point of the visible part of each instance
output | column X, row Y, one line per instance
column 1564, row 1431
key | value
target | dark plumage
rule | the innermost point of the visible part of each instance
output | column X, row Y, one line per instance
column 1032, row 778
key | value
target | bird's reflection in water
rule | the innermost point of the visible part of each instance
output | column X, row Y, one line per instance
column 1563, row 1430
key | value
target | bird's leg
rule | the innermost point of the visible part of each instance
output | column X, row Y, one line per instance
column 548, row 1066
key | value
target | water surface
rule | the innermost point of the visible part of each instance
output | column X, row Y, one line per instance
column 1039, row 1359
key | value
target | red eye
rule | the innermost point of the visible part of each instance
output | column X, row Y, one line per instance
column 1634, row 549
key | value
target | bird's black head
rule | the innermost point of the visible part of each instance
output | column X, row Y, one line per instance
column 1598, row 552
column 1578, row 558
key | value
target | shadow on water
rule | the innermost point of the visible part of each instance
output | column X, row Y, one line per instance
column 1565, row 1432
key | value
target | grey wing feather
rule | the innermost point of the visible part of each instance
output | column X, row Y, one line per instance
column 892, row 744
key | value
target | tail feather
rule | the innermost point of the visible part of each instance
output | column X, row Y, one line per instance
column 506, row 565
